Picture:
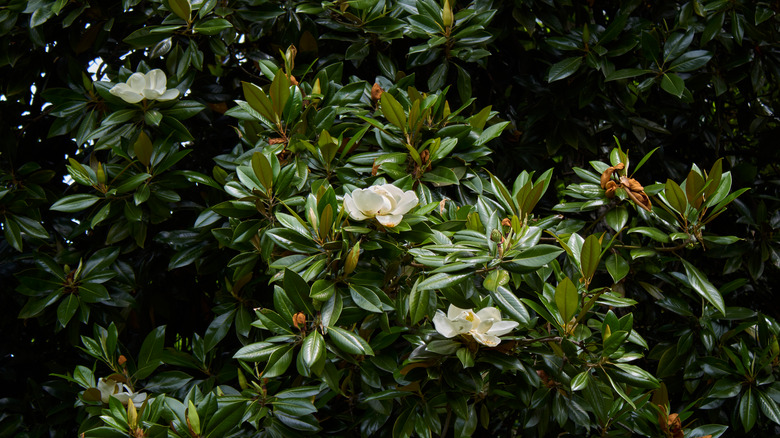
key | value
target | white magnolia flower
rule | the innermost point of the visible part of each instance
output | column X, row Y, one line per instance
column 112, row 388
column 386, row 202
column 140, row 86
column 484, row 326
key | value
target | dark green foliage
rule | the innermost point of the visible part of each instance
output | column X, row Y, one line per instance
column 287, row 220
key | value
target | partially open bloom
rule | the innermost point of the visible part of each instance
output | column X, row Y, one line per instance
column 140, row 86
column 111, row 388
column 386, row 202
column 484, row 326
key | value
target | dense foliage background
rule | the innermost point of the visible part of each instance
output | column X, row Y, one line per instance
column 605, row 173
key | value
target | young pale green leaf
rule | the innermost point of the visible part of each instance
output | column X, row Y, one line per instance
column 567, row 299
column 262, row 170
column 703, row 287
column 192, row 417
column 259, row 101
column 393, row 111
column 590, row 255
column 495, row 279
column 280, row 93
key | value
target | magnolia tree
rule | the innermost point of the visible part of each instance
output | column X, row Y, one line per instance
column 291, row 219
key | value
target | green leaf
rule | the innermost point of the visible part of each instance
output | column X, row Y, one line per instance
column 151, row 352
column 218, row 329
column 625, row 73
column 12, row 232
column 313, row 351
column 590, row 255
column 349, row 342
column 297, row 290
column 673, row 84
column 532, row 258
column 675, row 196
column 67, row 309
column 258, row 100
column 192, row 417
column 74, row 203
column 393, row 111
column 279, row 361
column 441, row 280
column 567, row 299
column 365, row 298
column 509, row 303
column 651, row 232
column 748, row 409
column 496, row 278
column 280, row 93
column 617, row 267
column 564, row 69
column 419, row 303
column 490, row 133
column 580, row 381
column 768, row 406
column 690, row 61
column 212, row 26
column 263, row 170
column 703, row 287
column 182, row 9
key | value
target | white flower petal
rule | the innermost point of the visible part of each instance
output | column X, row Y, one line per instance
column 107, row 388
column 486, row 339
column 501, row 328
column 389, row 220
column 170, row 94
column 351, row 208
column 490, row 313
column 151, row 94
column 368, row 202
column 407, row 202
column 124, row 92
column 157, row 81
column 445, row 326
column 454, row 312
column 138, row 399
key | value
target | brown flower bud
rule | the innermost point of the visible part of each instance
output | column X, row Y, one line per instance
column 376, row 92
column 121, row 360
column 293, row 80
column 605, row 177
column 631, row 184
column 611, row 186
column 299, row 320
column 506, row 222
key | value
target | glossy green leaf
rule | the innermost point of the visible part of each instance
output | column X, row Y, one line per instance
column 564, row 69
column 567, row 299
column 703, row 287
column 349, row 342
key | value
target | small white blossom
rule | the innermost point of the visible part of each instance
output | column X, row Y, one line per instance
column 111, row 388
column 140, row 86
column 386, row 202
column 484, row 326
